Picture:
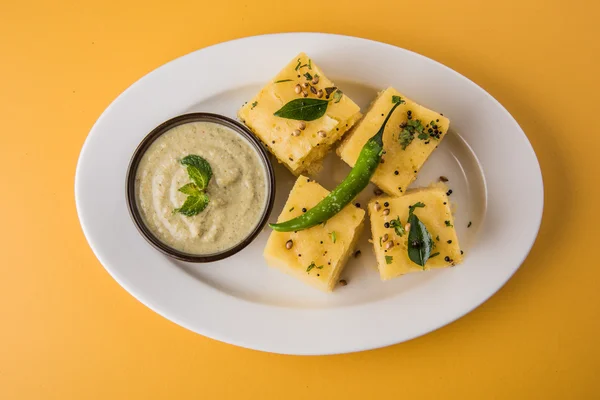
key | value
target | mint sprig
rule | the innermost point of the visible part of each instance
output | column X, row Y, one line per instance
column 200, row 172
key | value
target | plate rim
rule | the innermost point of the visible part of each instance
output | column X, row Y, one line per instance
column 358, row 346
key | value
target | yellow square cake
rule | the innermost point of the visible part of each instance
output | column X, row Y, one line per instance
column 391, row 243
column 316, row 255
column 299, row 145
column 410, row 136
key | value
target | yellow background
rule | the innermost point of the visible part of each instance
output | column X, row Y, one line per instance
column 69, row 331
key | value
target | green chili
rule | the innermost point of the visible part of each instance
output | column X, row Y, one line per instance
column 358, row 178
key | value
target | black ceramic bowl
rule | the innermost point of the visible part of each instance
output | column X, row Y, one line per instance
column 145, row 144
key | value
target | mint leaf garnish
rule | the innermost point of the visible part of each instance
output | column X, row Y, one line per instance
column 198, row 169
column 193, row 205
column 191, row 189
column 200, row 172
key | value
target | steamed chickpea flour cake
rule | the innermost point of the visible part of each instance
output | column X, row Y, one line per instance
column 299, row 116
column 201, row 188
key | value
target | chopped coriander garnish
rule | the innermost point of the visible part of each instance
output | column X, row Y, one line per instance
column 411, row 209
column 337, row 96
column 291, row 209
column 254, row 105
column 298, row 65
column 308, row 76
column 397, row 225
column 389, row 259
column 309, row 63
column 333, row 236
column 437, row 238
column 283, row 80
column 311, row 266
column 320, row 267
column 405, row 138
column 448, row 223
column 380, row 239
column 397, row 99
column 407, row 134
column 434, row 254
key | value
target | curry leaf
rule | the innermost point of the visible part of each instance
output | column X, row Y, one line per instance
column 303, row 109
column 419, row 241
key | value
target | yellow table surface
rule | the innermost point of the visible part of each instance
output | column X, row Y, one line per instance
column 69, row 331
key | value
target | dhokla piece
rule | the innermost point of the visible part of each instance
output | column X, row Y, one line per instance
column 316, row 255
column 299, row 145
column 436, row 215
column 410, row 136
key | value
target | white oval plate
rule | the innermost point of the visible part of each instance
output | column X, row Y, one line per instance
column 491, row 165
